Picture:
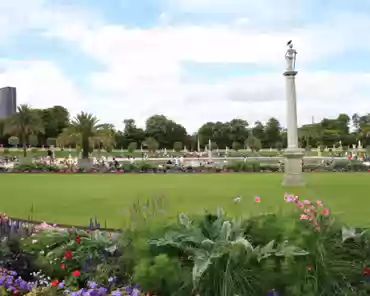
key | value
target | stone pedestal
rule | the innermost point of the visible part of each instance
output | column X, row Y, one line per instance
column 85, row 163
column 293, row 168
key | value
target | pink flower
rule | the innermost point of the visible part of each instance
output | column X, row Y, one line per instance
column 257, row 199
column 320, row 203
column 300, row 204
column 326, row 212
column 289, row 198
column 307, row 211
column 306, row 202
column 304, row 217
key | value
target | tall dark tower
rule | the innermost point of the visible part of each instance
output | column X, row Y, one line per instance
column 8, row 101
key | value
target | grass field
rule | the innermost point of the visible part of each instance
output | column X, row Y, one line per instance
column 73, row 199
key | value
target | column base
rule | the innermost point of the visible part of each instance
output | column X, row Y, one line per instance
column 293, row 176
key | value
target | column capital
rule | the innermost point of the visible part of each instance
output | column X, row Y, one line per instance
column 290, row 73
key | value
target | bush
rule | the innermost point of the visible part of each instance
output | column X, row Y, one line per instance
column 36, row 167
column 241, row 166
column 132, row 147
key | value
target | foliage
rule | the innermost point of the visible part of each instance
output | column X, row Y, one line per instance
column 253, row 143
column 60, row 253
column 151, row 144
column 33, row 140
column 13, row 140
column 132, row 147
column 51, row 141
column 177, row 146
column 25, row 123
column 36, row 167
column 303, row 252
column 166, row 132
column 236, row 146
column 85, row 130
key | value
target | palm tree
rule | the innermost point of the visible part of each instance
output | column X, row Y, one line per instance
column 85, row 130
column 23, row 124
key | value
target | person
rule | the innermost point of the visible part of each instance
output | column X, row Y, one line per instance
column 116, row 163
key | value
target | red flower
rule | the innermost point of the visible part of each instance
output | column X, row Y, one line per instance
column 78, row 240
column 55, row 283
column 68, row 255
column 63, row 266
column 309, row 268
column 76, row 273
column 366, row 271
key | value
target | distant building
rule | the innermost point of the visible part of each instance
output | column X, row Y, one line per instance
column 8, row 101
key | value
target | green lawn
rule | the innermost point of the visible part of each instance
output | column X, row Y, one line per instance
column 73, row 199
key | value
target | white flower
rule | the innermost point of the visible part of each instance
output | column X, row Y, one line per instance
column 237, row 199
column 34, row 241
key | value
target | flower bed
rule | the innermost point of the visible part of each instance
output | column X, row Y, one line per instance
column 307, row 252
column 235, row 167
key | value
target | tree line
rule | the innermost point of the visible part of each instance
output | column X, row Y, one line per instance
column 54, row 126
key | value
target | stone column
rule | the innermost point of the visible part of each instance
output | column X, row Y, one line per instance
column 293, row 154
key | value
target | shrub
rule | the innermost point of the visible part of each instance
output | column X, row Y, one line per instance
column 36, row 167
column 236, row 145
column 14, row 141
column 132, row 147
column 177, row 146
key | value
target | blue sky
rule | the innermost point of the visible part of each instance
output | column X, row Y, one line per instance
column 187, row 59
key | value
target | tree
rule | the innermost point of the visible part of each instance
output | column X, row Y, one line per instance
column 84, row 130
column 152, row 144
column 55, row 120
column 104, row 138
column 253, row 143
column 24, row 123
column 238, row 130
column 131, row 133
column 51, row 141
column 218, row 132
column 279, row 146
column 236, row 146
column 177, row 146
column 33, row 140
column 132, row 147
column 165, row 131
column 272, row 132
column 258, row 130
column 13, row 141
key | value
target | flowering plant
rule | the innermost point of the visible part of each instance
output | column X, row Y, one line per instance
column 73, row 255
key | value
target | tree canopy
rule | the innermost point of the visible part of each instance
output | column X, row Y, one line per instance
column 54, row 126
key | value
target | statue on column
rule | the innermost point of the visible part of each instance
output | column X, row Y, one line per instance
column 290, row 56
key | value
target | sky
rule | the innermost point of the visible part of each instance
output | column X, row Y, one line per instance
column 191, row 60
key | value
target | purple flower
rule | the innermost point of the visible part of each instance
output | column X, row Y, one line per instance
column 128, row 290
column 116, row 293
column 92, row 285
column 61, row 285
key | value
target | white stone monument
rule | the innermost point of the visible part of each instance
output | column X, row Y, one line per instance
column 209, row 149
column 293, row 154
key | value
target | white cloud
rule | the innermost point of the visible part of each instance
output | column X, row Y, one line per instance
column 143, row 69
column 41, row 84
column 18, row 16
